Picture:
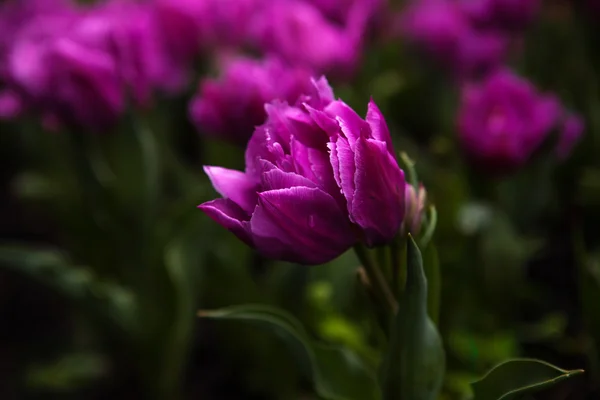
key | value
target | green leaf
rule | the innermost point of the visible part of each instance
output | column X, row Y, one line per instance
column 78, row 284
column 415, row 362
column 433, row 275
column 336, row 373
column 515, row 378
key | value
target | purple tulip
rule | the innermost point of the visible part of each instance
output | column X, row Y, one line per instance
column 340, row 10
column 442, row 30
column 11, row 104
column 298, row 33
column 415, row 200
column 504, row 120
column 571, row 131
column 233, row 105
column 187, row 26
column 319, row 179
column 81, row 67
column 435, row 25
column 503, row 14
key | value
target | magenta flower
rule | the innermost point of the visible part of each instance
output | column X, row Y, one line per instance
column 233, row 105
column 415, row 200
column 81, row 67
column 437, row 26
column 318, row 180
column 503, row 14
column 570, row 133
column 297, row 32
column 442, row 30
column 188, row 26
column 341, row 10
column 504, row 120
column 11, row 104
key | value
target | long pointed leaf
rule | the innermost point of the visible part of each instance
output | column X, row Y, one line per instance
column 336, row 373
column 414, row 366
column 515, row 378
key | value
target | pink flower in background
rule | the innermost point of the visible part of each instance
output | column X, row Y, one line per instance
column 189, row 26
column 442, row 30
column 82, row 66
column 570, row 134
column 340, row 10
column 503, row 14
column 11, row 104
column 298, row 32
column 318, row 180
column 503, row 120
column 231, row 106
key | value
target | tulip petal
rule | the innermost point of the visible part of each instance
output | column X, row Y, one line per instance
column 351, row 124
column 379, row 128
column 315, row 165
column 229, row 215
column 323, row 93
column 324, row 121
column 378, row 204
column 278, row 179
column 308, row 219
column 342, row 161
column 234, row 185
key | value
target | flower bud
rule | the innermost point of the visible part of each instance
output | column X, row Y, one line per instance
column 415, row 201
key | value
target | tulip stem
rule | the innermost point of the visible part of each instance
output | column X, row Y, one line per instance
column 397, row 250
column 377, row 279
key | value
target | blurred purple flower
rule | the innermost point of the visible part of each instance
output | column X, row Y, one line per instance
column 571, row 131
column 11, row 104
column 442, row 30
column 187, row 26
column 341, row 10
column 318, row 180
column 299, row 33
column 503, row 14
column 436, row 25
column 504, row 120
column 231, row 106
column 82, row 66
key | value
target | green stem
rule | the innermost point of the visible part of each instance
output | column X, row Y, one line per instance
column 377, row 280
column 398, row 267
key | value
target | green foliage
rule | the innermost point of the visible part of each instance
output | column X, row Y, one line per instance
column 514, row 379
column 335, row 372
column 414, row 364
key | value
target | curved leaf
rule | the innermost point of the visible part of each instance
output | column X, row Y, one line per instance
column 515, row 378
column 78, row 284
column 336, row 373
column 415, row 362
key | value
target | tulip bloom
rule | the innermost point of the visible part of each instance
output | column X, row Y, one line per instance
column 504, row 120
column 444, row 32
column 300, row 34
column 571, row 131
column 319, row 179
column 233, row 105
column 82, row 66
column 503, row 14
column 415, row 209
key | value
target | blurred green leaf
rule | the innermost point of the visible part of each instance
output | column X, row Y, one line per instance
column 183, row 258
column 67, row 373
column 516, row 378
column 336, row 373
column 76, row 283
column 415, row 361
column 434, row 285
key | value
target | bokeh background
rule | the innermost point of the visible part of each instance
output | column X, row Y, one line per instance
column 110, row 109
